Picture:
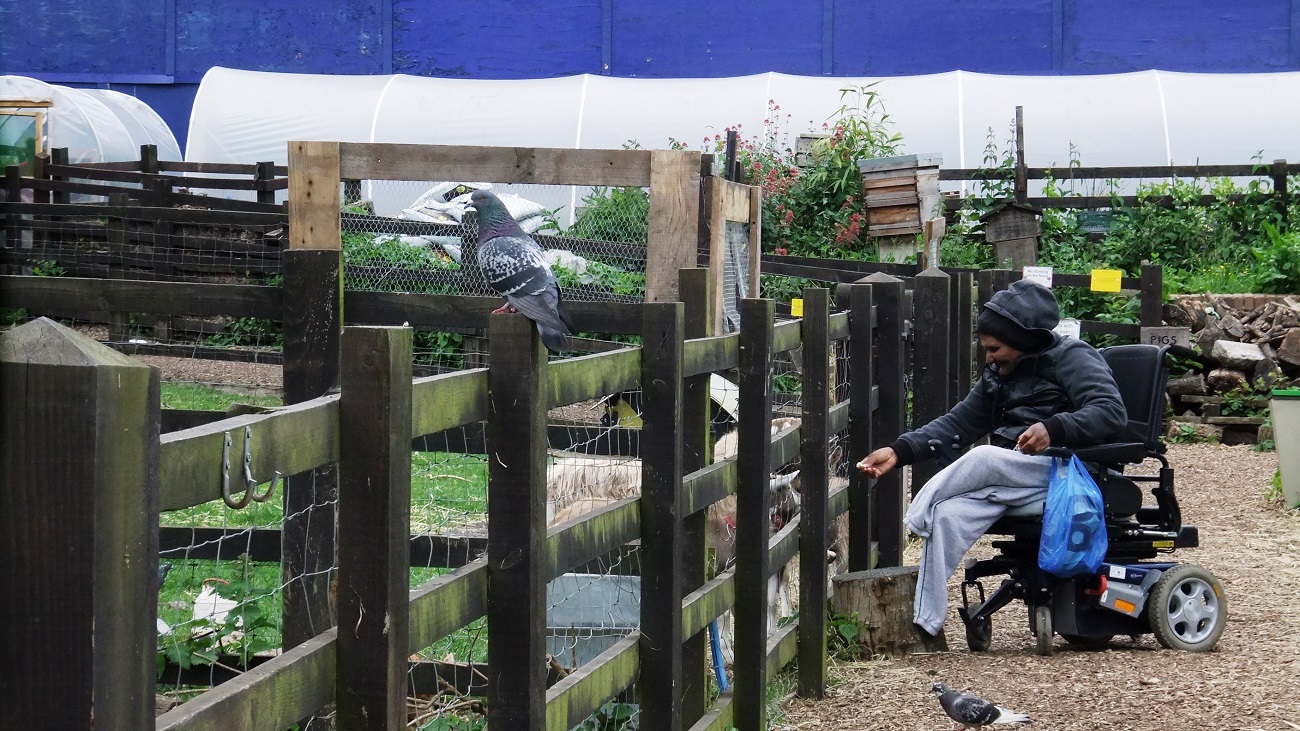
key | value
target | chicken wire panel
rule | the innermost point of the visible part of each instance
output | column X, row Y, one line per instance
column 415, row 236
column 147, row 248
column 219, row 610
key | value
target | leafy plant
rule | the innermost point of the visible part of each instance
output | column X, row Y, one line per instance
column 613, row 214
column 611, row 717
column 248, row 331
column 843, row 631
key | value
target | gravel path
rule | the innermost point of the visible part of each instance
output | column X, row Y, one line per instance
column 1250, row 682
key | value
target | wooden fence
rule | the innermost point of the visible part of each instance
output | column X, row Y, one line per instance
column 367, row 430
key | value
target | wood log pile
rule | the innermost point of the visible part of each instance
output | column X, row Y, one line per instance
column 1249, row 344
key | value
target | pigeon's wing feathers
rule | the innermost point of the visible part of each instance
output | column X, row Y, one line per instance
column 968, row 709
column 1005, row 716
column 514, row 264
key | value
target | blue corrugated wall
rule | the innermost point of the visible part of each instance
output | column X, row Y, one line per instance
column 158, row 50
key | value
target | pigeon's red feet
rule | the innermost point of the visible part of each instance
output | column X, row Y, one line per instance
column 507, row 309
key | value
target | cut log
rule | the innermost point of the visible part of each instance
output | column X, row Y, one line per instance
column 1232, row 328
column 882, row 600
column 1222, row 380
column 1192, row 384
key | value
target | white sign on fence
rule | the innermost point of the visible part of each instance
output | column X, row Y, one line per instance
column 1038, row 275
column 1067, row 328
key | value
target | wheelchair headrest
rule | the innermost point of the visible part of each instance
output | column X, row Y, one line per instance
column 1141, row 373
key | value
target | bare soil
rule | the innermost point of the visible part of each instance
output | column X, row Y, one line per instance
column 1250, row 682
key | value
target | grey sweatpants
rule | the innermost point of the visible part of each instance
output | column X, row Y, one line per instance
column 957, row 506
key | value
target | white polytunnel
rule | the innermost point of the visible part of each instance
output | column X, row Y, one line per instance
column 96, row 125
column 1141, row 118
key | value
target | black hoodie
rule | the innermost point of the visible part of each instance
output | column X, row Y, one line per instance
column 1067, row 386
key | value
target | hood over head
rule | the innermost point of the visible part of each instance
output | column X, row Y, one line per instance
column 1021, row 316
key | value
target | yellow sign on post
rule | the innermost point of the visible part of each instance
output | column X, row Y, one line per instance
column 796, row 307
column 1106, row 280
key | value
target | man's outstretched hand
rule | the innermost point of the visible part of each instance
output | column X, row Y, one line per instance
column 878, row 462
column 1034, row 439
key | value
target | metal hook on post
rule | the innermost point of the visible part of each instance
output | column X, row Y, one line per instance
column 249, row 482
column 226, row 496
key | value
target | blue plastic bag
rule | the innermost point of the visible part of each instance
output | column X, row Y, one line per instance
column 1074, row 523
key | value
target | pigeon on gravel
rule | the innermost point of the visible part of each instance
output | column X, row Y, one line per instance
column 514, row 267
column 971, row 711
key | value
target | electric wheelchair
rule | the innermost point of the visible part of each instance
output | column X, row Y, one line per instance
column 1134, row 592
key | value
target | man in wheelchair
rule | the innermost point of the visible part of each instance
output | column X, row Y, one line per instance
column 1039, row 396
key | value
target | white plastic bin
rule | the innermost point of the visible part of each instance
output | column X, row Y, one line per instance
column 1285, row 407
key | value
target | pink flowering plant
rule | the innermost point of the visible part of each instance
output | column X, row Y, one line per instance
column 816, row 209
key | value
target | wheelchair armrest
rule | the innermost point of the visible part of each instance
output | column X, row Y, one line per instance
column 1126, row 453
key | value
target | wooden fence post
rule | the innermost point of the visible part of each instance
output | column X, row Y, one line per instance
column 265, row 174
column 888, row 421
column 313, row 316
column 814, row 461
column 674, row 221
column 1281, row 196
column 516, row 614
column 79, row 532
column 1153, row 295
column 697, row 452
column 753, row 472
column 859, row 300
column 59, row 156
column 931, row 376
column 963, row 335
column 149, row 159
column 659, row 682
column 374, row 527
column 13, row 194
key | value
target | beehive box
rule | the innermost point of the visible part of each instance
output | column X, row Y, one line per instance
column 901, row 193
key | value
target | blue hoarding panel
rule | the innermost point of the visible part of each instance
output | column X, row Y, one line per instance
column 934, row 36
column 494, row 39
column 716, row 38
column 319, row 37
column 106, row 37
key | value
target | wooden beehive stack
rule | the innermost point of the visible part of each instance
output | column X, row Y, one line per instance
column 901, row 192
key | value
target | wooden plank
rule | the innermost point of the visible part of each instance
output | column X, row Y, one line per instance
column 662, row 430
column 200, row 352
column 83, row 585
column 707, row 485
column 312, row 327
column 272, row 695
column 883, row 510
column 516, row 612
column 590, row 536
column 446, row 603
column 786, row 336
column 287, row 440
column 711, row 354
column 543, row 166
column 374, row 524
column 720, row 716
column 593, row 376
column 439, row 312
column 697, row 451
column 582, row 692
column 147, row 213
column 449, row 400
column 755, row 240
column 753, row 449
column 708, row 602
column 782, row 547
column 931, row 373
column 314, row 197
column 963, row 335
column 211, row 168
column 838, row 327
column 1153, row 295
column 674, row 182
column 123, row 295
column 782, row 647
column 814, row 460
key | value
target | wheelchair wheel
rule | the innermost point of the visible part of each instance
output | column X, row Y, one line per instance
column 1043, row 630
column 1187, row 609
column 979, row 635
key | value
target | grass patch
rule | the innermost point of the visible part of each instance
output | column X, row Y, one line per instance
column 197, row 397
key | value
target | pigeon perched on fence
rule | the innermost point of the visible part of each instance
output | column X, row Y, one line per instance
column 973, row 712
column 514, row 267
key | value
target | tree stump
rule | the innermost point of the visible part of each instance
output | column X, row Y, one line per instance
column 882, row 600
